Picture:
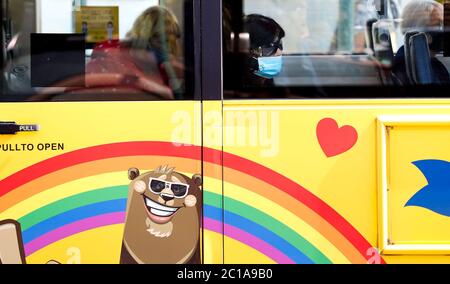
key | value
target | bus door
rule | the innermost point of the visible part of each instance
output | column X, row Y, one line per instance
column 100, row 132
column 333, row 151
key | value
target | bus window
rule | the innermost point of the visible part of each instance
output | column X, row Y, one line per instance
column 90, row 50
column 320, row 49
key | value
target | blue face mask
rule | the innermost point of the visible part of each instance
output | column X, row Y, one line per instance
column 269, row 67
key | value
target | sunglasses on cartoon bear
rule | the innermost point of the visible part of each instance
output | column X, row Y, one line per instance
column 179, row 190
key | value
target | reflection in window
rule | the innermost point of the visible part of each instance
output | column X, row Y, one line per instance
column 95, row 50
column 332, row 46
column 56, row 15
column 318, row 26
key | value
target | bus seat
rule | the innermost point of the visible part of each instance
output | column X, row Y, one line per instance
column 408, row 66
column 369, row 38
column 420, row 60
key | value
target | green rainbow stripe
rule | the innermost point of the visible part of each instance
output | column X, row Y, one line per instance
column 73, row 202
column 269, row 223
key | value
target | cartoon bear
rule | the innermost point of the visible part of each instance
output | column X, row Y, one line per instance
column 163, row 216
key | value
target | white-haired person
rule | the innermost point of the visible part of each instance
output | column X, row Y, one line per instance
column 422, row 16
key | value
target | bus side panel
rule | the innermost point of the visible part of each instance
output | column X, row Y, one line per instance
column 304, row 181
column 213, row 182
column 68, row 184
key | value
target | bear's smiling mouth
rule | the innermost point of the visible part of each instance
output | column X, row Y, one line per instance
column 159, row 213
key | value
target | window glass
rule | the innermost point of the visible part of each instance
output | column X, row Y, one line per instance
column 334, row 48
column 54, row 13
column 319, row 25
column 77, row 50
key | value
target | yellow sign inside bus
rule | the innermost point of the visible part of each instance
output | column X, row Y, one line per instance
column 98, row 23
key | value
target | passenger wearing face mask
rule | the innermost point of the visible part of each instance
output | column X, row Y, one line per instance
column 266, row 48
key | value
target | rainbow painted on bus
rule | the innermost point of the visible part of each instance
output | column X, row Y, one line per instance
column 84, row 209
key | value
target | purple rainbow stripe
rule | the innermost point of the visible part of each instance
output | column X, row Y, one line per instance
column 74, row 228
column 247, row 239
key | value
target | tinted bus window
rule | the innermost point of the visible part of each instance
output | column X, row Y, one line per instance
column 91, row 50
column 320, row 49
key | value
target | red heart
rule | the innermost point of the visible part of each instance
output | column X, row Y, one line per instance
column 334, row 140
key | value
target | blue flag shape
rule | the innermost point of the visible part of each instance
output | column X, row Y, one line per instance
column 436, row 195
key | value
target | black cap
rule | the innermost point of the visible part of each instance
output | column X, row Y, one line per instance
column 263, row 31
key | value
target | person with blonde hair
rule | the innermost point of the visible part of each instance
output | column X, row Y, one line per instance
column 149, row 56
column 156, row 28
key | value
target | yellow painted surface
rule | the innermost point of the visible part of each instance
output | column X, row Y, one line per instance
column 416, row 259
column 347, row 182
column 246, row 255
column 101, row 245
column 81, row 125
column 415, row 225
column 213, row 252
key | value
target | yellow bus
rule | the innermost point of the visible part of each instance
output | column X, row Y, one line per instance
column 225, row 131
